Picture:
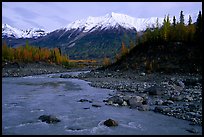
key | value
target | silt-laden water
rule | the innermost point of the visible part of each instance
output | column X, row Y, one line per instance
column 24, row 99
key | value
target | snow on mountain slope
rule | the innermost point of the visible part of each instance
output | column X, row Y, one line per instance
column 8, row 31
column 112, row 20
column 33, row 32
column 11, row 31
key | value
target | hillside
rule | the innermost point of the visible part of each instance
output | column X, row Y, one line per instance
column 161, row 57
column 172, row 48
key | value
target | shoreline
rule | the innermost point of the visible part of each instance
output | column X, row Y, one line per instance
column 30, row 69
column 177, row 95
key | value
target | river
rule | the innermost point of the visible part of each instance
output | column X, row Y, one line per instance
column 24, row 99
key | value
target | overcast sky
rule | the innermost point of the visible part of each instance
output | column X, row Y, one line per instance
column 53, row 15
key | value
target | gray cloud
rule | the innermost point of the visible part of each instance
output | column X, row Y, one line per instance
column 60, row 20
column 34, row 24
column 26, row 13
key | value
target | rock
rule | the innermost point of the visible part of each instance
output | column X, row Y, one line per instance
column 145, row 102
column 154, row 90
column 145, row 96
column 143, row 108
column 142, row 74
column 126, row 97
column 115, row 99
column 116, row 105
column 176, row 98
column 49, row 119
column 96, row 105
column 159, row 102
column 138, row 98
column 124, row 103
column 65, row 76
column 86, row 108
column 109, row 74
column 188, row 98
column 194, row 116
column 110, row 123
column 168, row 102
column 135, row 101
column 192, row 130
column 162, row 109
column 181, row 84
column 85, row 100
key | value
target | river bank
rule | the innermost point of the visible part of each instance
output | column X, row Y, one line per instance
column 177, row 95
column 30, row 69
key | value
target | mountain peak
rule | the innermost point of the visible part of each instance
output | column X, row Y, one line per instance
column 111, row 20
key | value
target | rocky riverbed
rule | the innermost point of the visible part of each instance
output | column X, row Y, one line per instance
column 29, row 69
column 177, row 95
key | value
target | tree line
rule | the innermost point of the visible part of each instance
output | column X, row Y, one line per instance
column 177, row 31
column 30, row 53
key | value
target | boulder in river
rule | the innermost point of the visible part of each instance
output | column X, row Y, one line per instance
column 85, row 100
column 110, row 123
column 49, row 119
column 192, row 130
column 135, row 101
column 96, row 105
column 116, row 100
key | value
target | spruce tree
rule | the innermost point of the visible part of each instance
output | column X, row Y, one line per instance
column 181, row 18
column 189, row 20
column 174, row 21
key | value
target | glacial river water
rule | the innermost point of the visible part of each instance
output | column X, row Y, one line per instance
column 24, row 99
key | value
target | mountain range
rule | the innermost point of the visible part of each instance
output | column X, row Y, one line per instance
column 89, row 38
column 11, row 32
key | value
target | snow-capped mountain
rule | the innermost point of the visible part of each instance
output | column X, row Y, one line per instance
column 112, row 20
column 92, row 37
column 8, row 31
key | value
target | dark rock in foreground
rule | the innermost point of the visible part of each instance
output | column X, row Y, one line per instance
column 192, row 130
column 49, row 119
column 110, row 123
column 135, row 101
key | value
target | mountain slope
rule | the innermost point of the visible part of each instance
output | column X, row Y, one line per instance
column 93, row 37
column 96, row 37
